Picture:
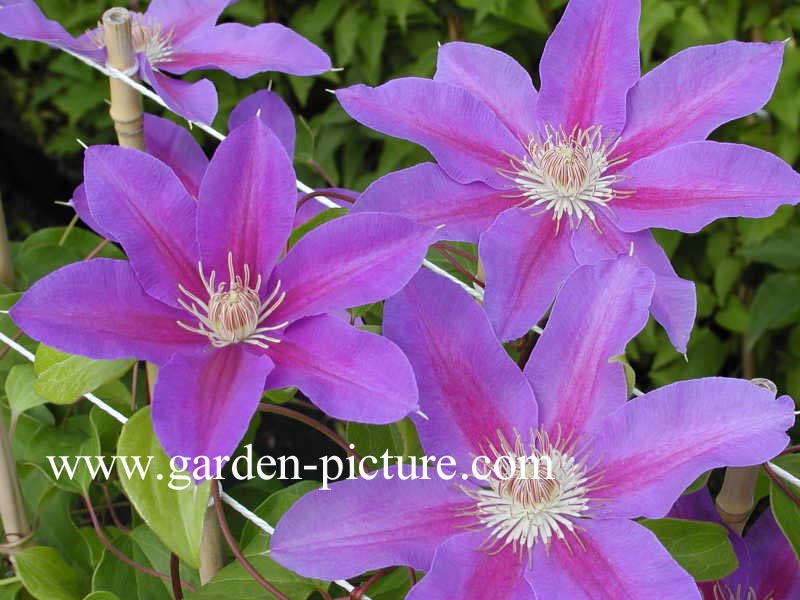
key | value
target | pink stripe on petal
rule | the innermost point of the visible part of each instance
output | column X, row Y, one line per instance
column 588, row 65
column 652, row 448
column 526, row 260
column 612, row 559
column 464, row 135
column 687, row 187
column 597, row 312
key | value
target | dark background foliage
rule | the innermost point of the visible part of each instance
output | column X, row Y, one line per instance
column 747, row 272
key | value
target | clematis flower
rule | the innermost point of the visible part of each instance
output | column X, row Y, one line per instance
column 567, row 534
column 178, row 36
column 768, row 567
column 205, row 297
column 577, row 172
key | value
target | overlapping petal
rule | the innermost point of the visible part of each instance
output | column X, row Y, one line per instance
column 692, row 93
column 184, row 17
column 358, row 525
column 139, row 200
column 462, row 570
column 494, row 77
column 688, row 186
column 526, row 258
column 611, row 559
column 193, row 101
column 589, row 63
column 350, row 374
column 470, row 389
column 247, row 201
column 174, row 146
column 350, row 261
column 243, row 51
column 98, row 309
column 427, row 195
column 463, row 134
column 597, row 312
column 81, row 205
column 273, row 111
column 674, row 299
column 203, row 402
column 652, row 448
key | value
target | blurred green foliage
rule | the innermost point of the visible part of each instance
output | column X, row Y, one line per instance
column 747, row 272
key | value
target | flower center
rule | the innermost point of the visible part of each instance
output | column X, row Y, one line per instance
column 535, row 491
column 149, row 38
column 567, row 173
column 234, row 311
column 723, row 591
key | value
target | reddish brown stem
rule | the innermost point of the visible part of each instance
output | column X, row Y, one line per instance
column 175, row 575
column 457, row 251
column 781, row 484
column 298, row 416
column 226, row 533
column 324, row 194
column 110, row 506
column 791, row 450
column 7, row 349
column 120, row 555
column 457, row 265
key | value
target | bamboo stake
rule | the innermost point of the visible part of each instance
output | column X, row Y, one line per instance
column 210, row 547
column 735, row 500
column 126, row 104
column 12, row 509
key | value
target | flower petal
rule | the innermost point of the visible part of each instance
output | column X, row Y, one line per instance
column 687, row 187
column 493, row 77
column 615, row 558
column 174, row 146
column 692, row 93
column 193, row 101
column 463, row 134
column 525, row 260
column 244, row 51
column 183, row 17
column 589, row 63
column 359, row 525
column 597, row 312
column 652, row 448
column 350, row 374
column 274, row 112
column 310, row 208
column 773, row 566
column 144, row 205
column 203, row 403
column 427, row 195
column 247, row 201
column 461, row 570
column 350, row 261
column 98, row 309
column 24, row 20
column 674, row 300
column 81, row 205
column 469, row 387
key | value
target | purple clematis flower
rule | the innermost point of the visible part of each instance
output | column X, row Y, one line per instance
column 565, row 535
column 205, row 297
column 580, row 170
column 768, row 567
column 178, row 36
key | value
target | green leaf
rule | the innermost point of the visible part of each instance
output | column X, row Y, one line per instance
column 780, row 250
column 398, row 439
column 102, row 596
column 19, row 390
column 703, row 549
column 63, row 378
column 9, row 588
column 786, row 512
column 316, row 221
column 774, row 305
column 175, row 515
column 45, row 574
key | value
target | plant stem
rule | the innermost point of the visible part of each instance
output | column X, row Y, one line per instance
column 211, row 561
column 126, row 104
column 175, row 575
column 226, row 533
column 298, row 416
column 12, row 509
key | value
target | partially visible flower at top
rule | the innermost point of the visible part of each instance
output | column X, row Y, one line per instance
column 569, row 533
column 205, row 296
column 578, row 171
column 768, row 567
column 177, row 36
